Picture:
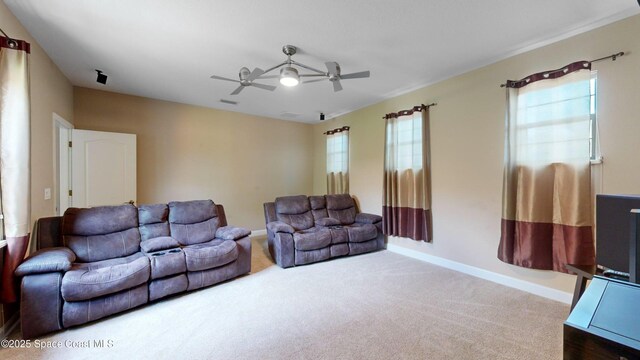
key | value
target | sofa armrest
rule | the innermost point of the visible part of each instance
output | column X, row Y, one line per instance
column 279, row 226
column 365, row 218
column 327, row 222
column 232, row 233
column 158, row 244
column 46, row 261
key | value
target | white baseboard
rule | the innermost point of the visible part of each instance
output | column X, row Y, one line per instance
column 262, row 232
column 527, row 286
column 7, row 328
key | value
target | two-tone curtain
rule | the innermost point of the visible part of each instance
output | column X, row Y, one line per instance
column 546, row 200
column 14, row 158
column 338, row 160
column 406, row 209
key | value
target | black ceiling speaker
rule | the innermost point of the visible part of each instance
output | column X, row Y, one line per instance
column 102, row 78
column 322, row 114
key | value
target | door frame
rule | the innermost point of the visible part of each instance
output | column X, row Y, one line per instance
column 61, row 158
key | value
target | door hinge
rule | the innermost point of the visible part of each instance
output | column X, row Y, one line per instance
column 70, row 143
column 70, row 192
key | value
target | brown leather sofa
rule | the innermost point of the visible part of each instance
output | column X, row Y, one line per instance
column 100, row 261
column 303, row 230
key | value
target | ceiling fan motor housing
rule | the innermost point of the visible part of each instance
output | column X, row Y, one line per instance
column 244, row 74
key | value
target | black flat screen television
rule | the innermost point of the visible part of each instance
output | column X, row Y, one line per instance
column 616, row 235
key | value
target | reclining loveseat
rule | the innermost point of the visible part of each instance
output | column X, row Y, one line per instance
column 303, row 230
column 99, row 261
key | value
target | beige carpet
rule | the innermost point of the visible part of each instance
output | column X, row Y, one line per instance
column 374, row 306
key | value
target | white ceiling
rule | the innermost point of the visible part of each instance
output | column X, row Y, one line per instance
column 167, row 50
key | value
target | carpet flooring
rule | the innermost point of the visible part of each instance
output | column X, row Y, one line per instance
column 374, row 306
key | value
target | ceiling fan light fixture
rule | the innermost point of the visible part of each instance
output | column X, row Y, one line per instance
column 289, row 76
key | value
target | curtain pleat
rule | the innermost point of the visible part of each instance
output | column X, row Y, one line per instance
column 546, row 204
column 337, row 183
column 407, row 181
column 14, row 160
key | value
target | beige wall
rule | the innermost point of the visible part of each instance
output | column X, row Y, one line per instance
column 467, row 145
column 50, row 92
column 189, row 152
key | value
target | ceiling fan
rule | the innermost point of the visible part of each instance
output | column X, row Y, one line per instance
column 246, row 79
column 289, row 75
column 334, row 75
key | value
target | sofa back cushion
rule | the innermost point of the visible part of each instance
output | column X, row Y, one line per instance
column 341, row 207
column 193, row 222
column 295, row 211
column 102, row 232
column 153, row 220
column 318, row 207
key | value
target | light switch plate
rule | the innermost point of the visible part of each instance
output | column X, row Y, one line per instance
column 47, row 194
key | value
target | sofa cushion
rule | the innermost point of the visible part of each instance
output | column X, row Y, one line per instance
column 327, row 222
column 80, row 312
column 312, row 239
column 102, row 232
column 279, row 226
column 99, row 220
column 191, row 212
column 153, row 214
column 158, row 244
column 318, row 207
column 295, row 211
column 368, row 218
column 232, row 233
column 339, row 235
column 47, row 260
column 193, row 222
column 292, row 205
column 90, row 280
column 102, row 247
column 150, row 231
column 190, row 234
column 341, row 207
column 153, row 220
column 362, row 232
column 167, row 262
column 210, row 255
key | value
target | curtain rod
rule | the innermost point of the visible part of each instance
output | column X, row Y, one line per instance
column 331, row 132
column 613, row 57
column 410, row 111
column 16, row 44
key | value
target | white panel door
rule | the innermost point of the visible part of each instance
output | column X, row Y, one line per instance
column 103, row 168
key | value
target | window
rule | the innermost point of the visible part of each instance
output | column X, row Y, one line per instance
column 338, row 161
column 551, row 122
column 409, row 143
column 338, row 152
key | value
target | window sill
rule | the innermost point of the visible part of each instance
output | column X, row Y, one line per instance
column 3, row 243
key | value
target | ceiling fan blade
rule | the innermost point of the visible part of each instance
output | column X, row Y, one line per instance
column 332, row 67
column 263, row 86
column 268, row 77
column 358, row 75
column 337, row 86
column 237, row 90
column 255, row 74
column 222, row 78
column 311, row 81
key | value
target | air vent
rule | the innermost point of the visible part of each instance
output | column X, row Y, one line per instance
column 230, row 102
column 289, row 115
